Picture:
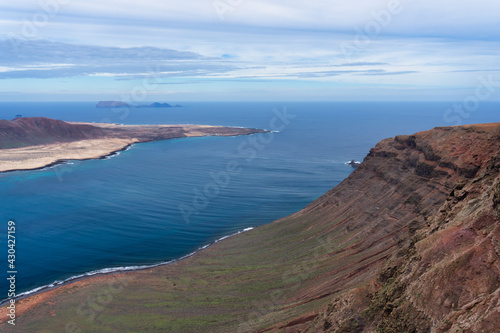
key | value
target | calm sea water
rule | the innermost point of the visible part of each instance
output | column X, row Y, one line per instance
column 126, row 210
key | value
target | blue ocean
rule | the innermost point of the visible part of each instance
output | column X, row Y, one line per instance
column 154, row 202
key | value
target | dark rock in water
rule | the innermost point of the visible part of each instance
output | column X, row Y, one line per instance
column 353, row 164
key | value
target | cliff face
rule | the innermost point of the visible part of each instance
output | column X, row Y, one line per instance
column 444, row 274
column 410, row 242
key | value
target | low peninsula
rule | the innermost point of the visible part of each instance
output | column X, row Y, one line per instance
column 37, row 142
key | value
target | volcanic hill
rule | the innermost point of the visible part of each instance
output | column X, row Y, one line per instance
column 22, row 132
column 34, row 143
column 32, row 131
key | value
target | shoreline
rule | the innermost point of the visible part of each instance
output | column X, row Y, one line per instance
column 112, row 270
column 117, row 138
column 66, row 160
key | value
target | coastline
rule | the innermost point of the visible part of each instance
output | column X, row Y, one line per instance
column 46, row 156
column 110, row 271
column 66, row 160
column 318, row 256
column 118, row 138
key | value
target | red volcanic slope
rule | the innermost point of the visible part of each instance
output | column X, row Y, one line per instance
column 22, row 132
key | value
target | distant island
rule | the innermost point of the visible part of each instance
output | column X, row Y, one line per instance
column 117, row 104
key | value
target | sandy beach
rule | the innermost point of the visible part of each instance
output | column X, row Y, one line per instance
column 40, row 156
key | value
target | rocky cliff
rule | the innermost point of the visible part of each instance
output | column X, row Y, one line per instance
column 443, row 274
column 410, row 242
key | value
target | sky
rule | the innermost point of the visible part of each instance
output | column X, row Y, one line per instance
column 249, row 50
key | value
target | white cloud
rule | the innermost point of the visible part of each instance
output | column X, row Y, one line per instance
column 427, row 16
column 445, row 42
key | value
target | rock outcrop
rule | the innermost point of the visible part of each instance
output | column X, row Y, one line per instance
column 444, row 272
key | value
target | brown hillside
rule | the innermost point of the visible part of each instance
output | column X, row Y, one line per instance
column 443, row 274
column 22, row 132
column 32, row 131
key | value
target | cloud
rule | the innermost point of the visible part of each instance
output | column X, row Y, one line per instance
column 329, row 73
column 474, row 70
column 389, row 73
column 100, row 45
column 354, row 72
column 364, row 64
column 446, row 18
column 41, row 59
column 43, row 51
column 46, row 59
